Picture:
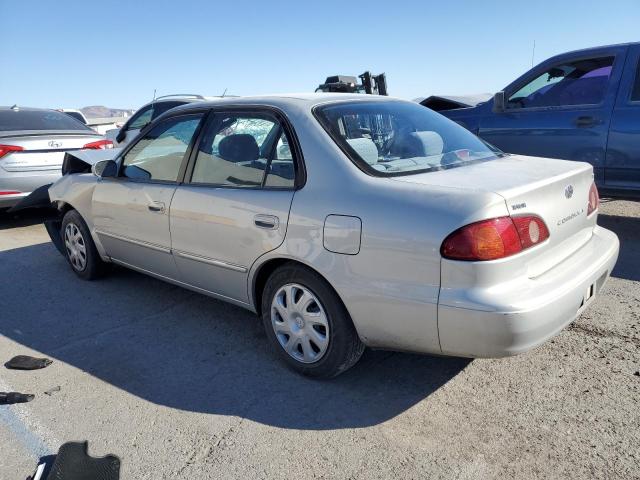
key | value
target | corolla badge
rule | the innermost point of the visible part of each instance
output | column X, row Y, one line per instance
column 54, row 144
column 568, row 191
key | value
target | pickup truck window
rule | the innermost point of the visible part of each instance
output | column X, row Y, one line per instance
column 583, row 82
column 635, row 93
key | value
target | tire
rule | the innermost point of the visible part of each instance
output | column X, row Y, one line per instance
column 80, row 251
column 317, row 338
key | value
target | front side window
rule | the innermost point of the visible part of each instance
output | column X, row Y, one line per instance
column 397, row 138
column 583, row 82
column 158, row 155
column 238, row 149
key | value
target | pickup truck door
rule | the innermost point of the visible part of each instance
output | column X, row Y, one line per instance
column 560, row 109
column 234, row 204
column 623, row 149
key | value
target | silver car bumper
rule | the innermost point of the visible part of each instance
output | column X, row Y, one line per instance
column 23, row 182
column 506, row 325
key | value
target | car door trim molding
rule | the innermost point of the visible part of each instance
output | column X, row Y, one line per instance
column 140, row 243
column 211, row 261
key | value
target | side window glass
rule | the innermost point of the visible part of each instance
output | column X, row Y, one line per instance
column 143, row 118
column 635, row 93
column 235, row 150
column 583, row 82
column 161, row 107
column 159, row 154
column 282, row 171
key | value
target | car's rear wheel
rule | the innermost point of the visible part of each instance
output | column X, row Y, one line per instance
column 307, row 324
column 80, row 251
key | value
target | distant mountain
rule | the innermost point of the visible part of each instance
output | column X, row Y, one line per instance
column 100, row 111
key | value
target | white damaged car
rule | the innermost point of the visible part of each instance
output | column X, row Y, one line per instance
column 344, row 221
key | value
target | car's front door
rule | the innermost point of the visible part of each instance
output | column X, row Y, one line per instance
column 623, row 148
column 560, row 110
column 131, row 211
column 234, row 204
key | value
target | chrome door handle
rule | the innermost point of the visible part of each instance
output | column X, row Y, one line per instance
column 270, row 222
column 156, row 206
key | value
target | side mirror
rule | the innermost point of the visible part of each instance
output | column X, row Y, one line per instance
column 498, row 102
column 105, row 169
column 122, row 134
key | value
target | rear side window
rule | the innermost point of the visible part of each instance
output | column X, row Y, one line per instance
column 158, row 155
column 635, row 93
column 237, row 150
column 141, row 118
column 161, row 107
column 583, row 82
column 14, row 120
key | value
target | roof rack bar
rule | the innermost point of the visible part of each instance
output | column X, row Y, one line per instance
column 192, row 95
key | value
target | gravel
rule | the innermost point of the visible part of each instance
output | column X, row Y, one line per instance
column 179, row 385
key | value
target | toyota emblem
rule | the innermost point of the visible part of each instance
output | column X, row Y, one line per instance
column 568, row 192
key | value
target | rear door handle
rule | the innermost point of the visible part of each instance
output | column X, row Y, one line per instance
column 586, row 121
column 156, row 206
column 270, row 222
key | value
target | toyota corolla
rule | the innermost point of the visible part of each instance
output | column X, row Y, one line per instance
column 344, row 221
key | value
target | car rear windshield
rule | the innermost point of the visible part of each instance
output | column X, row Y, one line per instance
column 389, row 138
column 14, row 120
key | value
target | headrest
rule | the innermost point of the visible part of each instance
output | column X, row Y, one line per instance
column 240, row 147
column 365, row 148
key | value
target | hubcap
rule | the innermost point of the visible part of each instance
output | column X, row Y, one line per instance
column 300, row 323
column 76, row 248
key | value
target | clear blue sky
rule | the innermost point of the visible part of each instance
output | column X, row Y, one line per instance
column 115, row 53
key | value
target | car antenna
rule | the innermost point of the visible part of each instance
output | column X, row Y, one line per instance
column 223, row 93
column 15, row 107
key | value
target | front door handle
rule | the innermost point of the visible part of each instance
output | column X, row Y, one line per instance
column 586, row 121
column 156, row 207
column 270, row 222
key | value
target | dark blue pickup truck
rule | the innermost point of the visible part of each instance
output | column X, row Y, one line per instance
column 582, row 105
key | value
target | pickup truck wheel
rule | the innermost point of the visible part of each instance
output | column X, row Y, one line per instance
column 80, row 251
column 307, row 324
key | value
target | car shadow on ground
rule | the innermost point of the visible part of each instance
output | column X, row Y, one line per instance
column 24, row 218
column 183, row 350
column 628, row 231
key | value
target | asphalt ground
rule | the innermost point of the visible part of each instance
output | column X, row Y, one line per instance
column 179, row 385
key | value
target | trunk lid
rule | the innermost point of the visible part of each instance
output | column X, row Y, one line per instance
column 555, row 190
column 42, row 150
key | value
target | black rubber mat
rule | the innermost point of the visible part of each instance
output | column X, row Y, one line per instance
column 9, row 398
column 74, row 463
column 24, row 362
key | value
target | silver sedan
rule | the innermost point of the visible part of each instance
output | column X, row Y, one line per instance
column 345, row 221
column 33, row 142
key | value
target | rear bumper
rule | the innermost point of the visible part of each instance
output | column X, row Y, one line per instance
column 23, row 182
column 508, row 322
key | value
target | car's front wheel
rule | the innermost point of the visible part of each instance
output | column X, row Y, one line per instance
column 80, row 251
column 307, row 324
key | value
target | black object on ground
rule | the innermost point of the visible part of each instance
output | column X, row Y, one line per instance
column 8, row 398
column 24, row 362
column 74, row 463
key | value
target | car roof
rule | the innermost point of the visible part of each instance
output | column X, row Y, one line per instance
column 18, row 108
column 305, row 100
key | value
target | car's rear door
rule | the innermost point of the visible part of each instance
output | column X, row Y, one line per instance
column 560, row 109
column 234, row 204
column 131, row 211
column 623, row 148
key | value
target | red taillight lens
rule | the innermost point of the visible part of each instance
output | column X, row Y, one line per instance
column 5, row 149
column 594, row 199
column 9, row 192
column 495, row 238
column 99, row 145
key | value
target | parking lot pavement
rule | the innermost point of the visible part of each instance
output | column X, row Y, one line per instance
column 183, row 386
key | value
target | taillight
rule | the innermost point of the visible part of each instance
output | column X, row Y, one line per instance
column 9, row 192
column 495, row 238
column 99, row 145
column 5, row 149
column 594, row 199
